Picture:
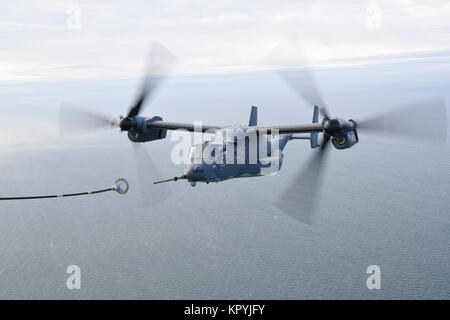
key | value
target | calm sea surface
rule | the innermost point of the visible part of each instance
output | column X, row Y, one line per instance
column 385, row 202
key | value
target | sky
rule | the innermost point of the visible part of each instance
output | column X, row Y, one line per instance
column 88, row 40
column 368, row 56
column 55, row 52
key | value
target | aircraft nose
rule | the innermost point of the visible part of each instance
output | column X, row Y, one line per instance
column 198, row 168
column 189, row 171
column 194, row 172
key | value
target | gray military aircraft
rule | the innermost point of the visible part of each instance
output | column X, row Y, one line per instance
column 424, row 121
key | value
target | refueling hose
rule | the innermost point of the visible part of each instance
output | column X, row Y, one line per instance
column 120, row 186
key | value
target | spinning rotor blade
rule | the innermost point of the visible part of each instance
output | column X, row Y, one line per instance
column 291, row 65
column 147, row 172
column 426, row 120
column 299, row 199
column 421, row 121
column 303, row 83
column 74, row 120
column 161, row 61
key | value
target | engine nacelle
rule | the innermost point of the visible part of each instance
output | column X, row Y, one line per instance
column 346, row 140
column 342, row 132
column 142, row 133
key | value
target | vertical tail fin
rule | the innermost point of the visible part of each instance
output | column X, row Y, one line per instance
column 253, row 117
column 314, row 139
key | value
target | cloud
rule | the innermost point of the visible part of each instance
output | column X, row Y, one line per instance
column 207, row 36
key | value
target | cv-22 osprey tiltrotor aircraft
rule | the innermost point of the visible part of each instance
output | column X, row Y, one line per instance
column 423, row 121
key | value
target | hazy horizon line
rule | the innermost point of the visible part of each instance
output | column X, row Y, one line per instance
column 418, row 56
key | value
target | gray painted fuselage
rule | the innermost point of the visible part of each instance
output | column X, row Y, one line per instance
column 249, row 155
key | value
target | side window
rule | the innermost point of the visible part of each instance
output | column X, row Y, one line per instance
column 219, row 155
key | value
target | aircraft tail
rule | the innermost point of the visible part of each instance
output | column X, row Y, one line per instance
column 253, row 122
column 314, row 138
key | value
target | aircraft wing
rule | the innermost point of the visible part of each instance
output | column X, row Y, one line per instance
column 282, row 129
column 295, row 128
column 180, row 125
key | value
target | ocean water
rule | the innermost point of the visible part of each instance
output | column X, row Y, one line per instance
column 384, row 202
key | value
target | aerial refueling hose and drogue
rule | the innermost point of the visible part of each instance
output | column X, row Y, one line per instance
column 121, row 186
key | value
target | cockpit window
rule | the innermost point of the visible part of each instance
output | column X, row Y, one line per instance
column 195, row 151
column 191, row 153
